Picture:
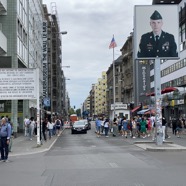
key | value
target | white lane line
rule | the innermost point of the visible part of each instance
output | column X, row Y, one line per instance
column 113, row 165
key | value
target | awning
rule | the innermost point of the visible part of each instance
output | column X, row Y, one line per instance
column 164, row 91
column 152, row 111
column 142, row 111
column 135, row 109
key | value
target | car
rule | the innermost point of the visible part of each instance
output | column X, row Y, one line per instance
column 79, row 127
column 88, row 123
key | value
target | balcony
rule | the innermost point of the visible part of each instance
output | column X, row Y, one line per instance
column 3, row 7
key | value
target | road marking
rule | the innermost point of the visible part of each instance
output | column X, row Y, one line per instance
column 113, row 165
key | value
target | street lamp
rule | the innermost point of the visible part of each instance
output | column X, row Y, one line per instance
column 57, row 39
column 63, row 32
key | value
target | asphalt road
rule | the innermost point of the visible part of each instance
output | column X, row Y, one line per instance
column 85, row 160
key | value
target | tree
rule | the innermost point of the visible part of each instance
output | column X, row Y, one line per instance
column 71, row 111
column 78, row 112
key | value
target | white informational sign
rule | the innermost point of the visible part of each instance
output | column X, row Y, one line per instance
column 18, row 84
column 118, row 106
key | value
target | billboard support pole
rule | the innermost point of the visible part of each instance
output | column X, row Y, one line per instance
column 158, row 101
column 38, row 111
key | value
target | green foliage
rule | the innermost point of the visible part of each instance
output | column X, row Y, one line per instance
column 72, row 111
column 78, row 112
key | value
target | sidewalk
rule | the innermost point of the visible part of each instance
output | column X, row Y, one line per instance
column 23, row 146
column 171, row 144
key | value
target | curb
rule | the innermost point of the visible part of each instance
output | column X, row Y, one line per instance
column 39, row 150
column 171, row 147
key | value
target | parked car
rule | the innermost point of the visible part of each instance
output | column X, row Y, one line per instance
column 79, row 127
column 88, row 123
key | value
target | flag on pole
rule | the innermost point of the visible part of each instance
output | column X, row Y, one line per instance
column 112, row 43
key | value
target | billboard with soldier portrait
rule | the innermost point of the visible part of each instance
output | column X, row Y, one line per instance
column 156, row 32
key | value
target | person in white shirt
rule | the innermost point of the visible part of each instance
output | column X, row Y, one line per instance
column 153, row 126
column 106, row 127
column 50, row 126
column 26, row 120
column 31, row 127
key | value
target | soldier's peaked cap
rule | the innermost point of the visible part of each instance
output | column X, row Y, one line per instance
column 156, row 15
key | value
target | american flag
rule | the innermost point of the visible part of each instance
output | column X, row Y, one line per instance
column 112, row 44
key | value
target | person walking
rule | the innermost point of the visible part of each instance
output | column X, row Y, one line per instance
column 178, row 127
column 124, row 127
column 26, row 121
column 143, row 130
column 31, row 127
column 5, row 134
column 50, row 126
column 58, row 126
column 106, row 127
column 174, row 124
column 98, row 127
column 163, row 127
column 115, row 127
column 11, row 136
column 44, row 128
column 134, row 128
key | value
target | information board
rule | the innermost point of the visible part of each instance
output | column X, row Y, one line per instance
column 18, row 84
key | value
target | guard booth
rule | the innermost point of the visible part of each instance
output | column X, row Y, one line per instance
column 120, row 109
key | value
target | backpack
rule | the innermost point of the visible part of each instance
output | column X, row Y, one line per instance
column 58, row 122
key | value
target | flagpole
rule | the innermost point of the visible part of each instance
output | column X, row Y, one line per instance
column 113, row 81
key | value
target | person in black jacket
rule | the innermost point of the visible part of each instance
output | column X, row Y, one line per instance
column 163, row 127
column 174, row 126
column 157, row 43
column 178, row 127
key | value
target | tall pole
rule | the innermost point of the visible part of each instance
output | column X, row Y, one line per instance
column 113, row 82
column 158, row 99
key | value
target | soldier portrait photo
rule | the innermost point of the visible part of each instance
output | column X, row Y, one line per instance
column 157, row 42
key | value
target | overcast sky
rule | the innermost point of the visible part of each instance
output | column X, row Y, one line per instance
column 90, row 25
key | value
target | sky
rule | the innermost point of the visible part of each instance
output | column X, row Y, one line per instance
column 90, row 26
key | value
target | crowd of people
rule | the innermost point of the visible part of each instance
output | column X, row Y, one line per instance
column 50, row 127
column 137, row 127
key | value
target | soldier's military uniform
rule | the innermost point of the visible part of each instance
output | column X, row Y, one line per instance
column 163, row 46
column 166, row 46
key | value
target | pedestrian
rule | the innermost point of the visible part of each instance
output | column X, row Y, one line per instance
column 119, row 121
column 149, row 127
column 115, row 127
column 179, row 127
column 44, row 128
column 58, row 126
column 143, row 124
column 164, row 123
column 54, row 126
column 50, row 126
column 157, row 43
column 106, row 127
column 134, row 128
column 31, row 127
column 138, row 125
column 153, row 127
column 11, row 136
column 98, row 127
column 124, row 126
column 5, row 134
column 102, row 125
column 26, row 121
column 174, row 124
